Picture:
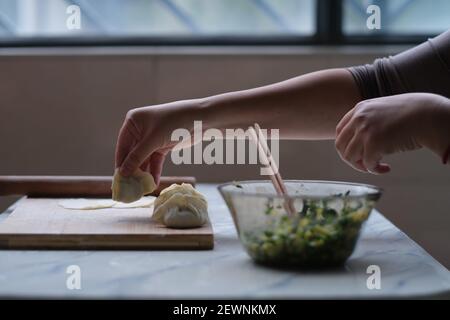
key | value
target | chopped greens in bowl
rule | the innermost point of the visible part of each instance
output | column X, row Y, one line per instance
column 323, row 231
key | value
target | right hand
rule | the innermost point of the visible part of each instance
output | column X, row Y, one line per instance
column 145, row 137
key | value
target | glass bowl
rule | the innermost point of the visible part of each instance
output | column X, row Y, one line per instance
column 321, row 232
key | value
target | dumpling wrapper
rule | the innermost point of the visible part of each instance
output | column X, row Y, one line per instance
column 144, row 202
column 132, row 188
column 86, row 204
column 180, row 206
column 93, row 204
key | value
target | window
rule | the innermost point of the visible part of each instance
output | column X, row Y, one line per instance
column 25, row 18
column 399, row 17
column 51, row 22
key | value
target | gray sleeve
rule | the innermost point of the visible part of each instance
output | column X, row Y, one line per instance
column 425, row 68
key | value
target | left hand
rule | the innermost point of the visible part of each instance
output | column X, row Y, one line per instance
column 386, row 125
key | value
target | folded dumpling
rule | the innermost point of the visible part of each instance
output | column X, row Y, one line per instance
column 180, row 206
column 132, row 188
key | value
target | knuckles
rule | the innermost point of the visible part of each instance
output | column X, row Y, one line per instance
column 137, row 120
column 132, row 114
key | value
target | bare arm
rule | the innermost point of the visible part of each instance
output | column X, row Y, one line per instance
column 305, row 107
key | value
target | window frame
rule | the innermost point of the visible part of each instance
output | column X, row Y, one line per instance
column 329, row 31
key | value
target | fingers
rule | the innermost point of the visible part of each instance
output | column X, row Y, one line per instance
column 145, row 166
column 372, row 159
column 353, row 153
column 156, row 164
column 127, row 140
column 357, row 145
column 135, row 159
column 359, row 164
column 363, row 156
column 131, row 152
column 343, row 139
column 345, row 119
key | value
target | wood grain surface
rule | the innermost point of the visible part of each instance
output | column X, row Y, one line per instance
column 40, row 223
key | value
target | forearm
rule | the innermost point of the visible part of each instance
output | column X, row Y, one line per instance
column 305, row 107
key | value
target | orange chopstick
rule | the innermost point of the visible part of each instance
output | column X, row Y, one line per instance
column 267, row 159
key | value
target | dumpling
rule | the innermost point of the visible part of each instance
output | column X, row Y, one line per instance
column 180, row 206
column 132, row 188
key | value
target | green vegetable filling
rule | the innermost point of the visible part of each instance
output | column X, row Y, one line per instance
column 318, row 236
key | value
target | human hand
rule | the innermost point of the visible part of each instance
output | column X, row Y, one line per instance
column 382, row 126
column 145, row 137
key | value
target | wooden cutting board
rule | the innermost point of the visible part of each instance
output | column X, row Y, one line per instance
column 40, row 223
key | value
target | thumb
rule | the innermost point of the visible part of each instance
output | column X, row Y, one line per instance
column 134, row 159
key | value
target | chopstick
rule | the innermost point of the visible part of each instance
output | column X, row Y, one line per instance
column 267, row 160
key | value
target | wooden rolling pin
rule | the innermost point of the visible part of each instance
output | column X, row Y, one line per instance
column 70, row 186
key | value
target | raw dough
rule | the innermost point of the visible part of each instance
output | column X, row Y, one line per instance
column 143, row 202
column 92, row 204
column 180, row 206
column 132, row 188
column 86, row 204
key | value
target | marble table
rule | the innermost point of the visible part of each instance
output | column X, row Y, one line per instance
column 406, row 270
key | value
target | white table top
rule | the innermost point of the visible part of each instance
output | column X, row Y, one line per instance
column 226, row 272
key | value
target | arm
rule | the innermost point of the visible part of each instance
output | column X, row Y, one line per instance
column 306, row 107
column 405, row 107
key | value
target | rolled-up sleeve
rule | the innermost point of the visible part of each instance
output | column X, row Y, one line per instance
column 425, row 68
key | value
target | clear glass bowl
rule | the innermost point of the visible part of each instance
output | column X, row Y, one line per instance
column 322, row 232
